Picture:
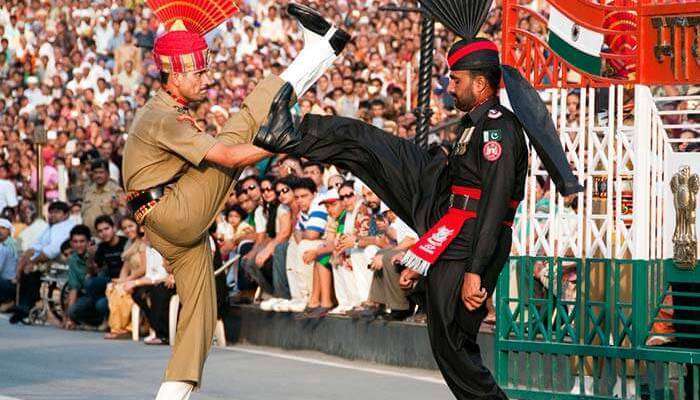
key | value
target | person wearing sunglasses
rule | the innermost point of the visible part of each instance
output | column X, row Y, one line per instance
column 257, row 263
column 251, row 185
column 283, row 225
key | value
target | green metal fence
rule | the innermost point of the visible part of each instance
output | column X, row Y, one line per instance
column 558, row 340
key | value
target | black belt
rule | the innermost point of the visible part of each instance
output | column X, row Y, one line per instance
column 465, row 203
column 468, row 203
column 141, row 202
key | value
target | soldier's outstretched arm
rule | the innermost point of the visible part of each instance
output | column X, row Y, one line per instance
column 233, row 148
column 236, row 155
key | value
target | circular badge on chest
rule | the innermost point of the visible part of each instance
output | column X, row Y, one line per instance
column 492, row 150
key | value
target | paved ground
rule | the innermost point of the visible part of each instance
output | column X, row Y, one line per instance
column 48, row 363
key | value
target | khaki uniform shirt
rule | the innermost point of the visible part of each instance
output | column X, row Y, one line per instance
column 99, row 201
column 160, row 148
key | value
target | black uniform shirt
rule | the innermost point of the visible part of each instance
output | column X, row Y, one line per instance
column 494, row 159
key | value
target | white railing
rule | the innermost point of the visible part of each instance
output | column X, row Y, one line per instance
column 622, row 156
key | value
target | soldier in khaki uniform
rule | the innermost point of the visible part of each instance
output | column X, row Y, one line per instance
column 102, row 196
column 177, row 177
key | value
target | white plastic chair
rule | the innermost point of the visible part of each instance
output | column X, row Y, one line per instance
column 219, row 332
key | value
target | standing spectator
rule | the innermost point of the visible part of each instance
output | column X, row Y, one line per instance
column 104, row 35
column 47, row 248
column 271, row 26
column 349, row 102
column 107, row 153
column 129, row 78
column 8, row 262
column 102, row 196
column 50, row 175
column 127, row 52
column 8, row 192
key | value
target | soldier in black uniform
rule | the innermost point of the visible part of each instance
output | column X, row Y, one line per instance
column 462, row 203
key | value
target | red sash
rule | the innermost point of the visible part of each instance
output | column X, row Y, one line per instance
column 434, row 242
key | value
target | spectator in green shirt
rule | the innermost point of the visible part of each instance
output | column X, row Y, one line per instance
column 77, row 309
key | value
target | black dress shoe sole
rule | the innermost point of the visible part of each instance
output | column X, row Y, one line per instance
column 309, row 18
column 313, row 21
column 339, row 40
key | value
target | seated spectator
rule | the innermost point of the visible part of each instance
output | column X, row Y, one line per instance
column 152, row 293
column 310, row 226
column 321, row 301
column 34, row 228
column 34, row 260
column 79, row 309
column 363, row 244
column 233, row 229
column 344, row 284
column 107, row 266
column 8, row 262
column 230, row 240
column 314, row 171
column 258, row 263
column 385, row 290
column 284, row 225
column 118, row 291
column 335, row 182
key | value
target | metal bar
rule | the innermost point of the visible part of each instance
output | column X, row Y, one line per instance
column 679, row 112
column 696, row 382
column 425, row 73
column 681, row 381
column 639, row 353
column 400, row 9
column 675, row 98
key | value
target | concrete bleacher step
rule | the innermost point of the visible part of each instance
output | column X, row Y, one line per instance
column 392, row 343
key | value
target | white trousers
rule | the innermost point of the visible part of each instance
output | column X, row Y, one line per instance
column 360, row 259
column 299, row 274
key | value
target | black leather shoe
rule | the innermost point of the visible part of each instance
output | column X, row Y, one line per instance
column 397, row 315
column 278, row 134
column 310, row 19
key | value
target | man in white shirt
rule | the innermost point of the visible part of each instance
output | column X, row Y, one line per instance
column 47, row 248
column 247, row 44
column 129, row 79
column 78, row 83
column 8, row 192
column 102, row 93
column 103, row 35
column 271, row 27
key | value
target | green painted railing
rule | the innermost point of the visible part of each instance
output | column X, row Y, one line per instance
column 554, row 341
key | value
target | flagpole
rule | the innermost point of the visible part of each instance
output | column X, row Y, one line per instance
column 423, row 111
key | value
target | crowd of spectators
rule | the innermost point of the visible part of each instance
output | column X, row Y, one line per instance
column 73, row 74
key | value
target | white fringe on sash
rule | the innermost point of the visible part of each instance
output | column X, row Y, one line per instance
column 412, row 261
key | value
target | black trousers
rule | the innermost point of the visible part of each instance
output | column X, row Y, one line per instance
column 29, row 290
column 413, row 184
column 154, row 302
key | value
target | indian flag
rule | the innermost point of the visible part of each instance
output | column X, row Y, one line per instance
column 577, row 45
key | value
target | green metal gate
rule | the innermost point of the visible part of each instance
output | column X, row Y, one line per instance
column 591, row 344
